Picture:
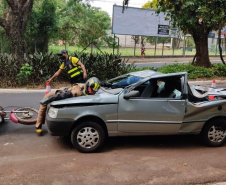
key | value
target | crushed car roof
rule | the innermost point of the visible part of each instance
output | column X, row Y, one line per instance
column 145, row 73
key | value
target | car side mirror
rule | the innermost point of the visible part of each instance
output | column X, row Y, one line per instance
column 131, row 94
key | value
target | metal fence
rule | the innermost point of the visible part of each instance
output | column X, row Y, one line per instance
column 182, row 48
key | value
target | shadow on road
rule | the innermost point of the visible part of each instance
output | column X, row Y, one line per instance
column 4, row 127
column 11, row 130
column 157, row 142
column 144, row 142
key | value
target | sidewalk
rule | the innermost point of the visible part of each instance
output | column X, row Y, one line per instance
column 167, row 59
column 17, row 90
column 206, row 83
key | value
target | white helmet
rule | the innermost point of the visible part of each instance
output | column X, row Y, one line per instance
column 92, row 85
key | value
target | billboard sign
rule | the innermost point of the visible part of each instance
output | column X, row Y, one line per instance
column 142, row 22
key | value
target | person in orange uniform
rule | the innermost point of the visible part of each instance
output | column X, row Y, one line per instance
column 89, row 88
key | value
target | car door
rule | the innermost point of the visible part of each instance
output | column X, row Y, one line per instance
column 150, row 114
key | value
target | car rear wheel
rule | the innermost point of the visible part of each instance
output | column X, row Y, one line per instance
column 214, row 133
column 88, row 137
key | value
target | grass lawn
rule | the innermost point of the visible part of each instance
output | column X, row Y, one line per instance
column 127, row 51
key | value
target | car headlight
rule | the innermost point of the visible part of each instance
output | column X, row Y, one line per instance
column 52, row 112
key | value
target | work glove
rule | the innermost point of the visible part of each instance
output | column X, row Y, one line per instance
column 105, row 84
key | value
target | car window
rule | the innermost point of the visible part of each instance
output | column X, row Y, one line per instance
column 127, row 81
column 167, row 87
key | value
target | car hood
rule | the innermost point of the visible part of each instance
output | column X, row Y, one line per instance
column 201, row 91
column 102, row 98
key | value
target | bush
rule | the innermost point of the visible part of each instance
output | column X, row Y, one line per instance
column 44, row 66
column 23, row 75
column 9, row 69
column 193, row 71
column 13, row 73
column 39, row 67
column 219, row 69
column 104, row 66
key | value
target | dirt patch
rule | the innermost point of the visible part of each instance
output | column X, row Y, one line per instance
column 53, row 85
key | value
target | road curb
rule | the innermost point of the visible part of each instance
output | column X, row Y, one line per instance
column 23, row 90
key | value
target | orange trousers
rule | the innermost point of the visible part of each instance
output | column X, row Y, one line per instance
column 76, row 90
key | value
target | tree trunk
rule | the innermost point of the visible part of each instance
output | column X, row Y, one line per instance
column 178, row 43
column 219, row 42
column 201, row 43
column 193, row 61
column 16, row 36
column 224, row 44
column 44, row 47
column 134, row 52
column 15, row 22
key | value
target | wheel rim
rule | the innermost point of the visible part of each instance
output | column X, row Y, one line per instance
column 216, row 134
column 32, row 113
column 88, row 137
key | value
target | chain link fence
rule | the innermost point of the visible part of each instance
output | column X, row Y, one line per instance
column 131, row 46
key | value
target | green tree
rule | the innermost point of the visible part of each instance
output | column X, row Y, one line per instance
column 94, row 26
column 4, row 43
column 14, row 21
column 186, row 15
column 82, row 23
column 41, row 27
column 150, row 4
column 69, row 13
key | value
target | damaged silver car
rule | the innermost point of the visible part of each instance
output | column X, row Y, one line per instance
column 141, row 103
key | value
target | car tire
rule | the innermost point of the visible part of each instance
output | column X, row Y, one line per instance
column 1, row 119
column 214, row 133
column 88, row 137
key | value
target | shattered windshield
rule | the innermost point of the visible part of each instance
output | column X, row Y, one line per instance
column 126, row 81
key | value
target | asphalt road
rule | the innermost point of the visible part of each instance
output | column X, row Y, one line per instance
column 159, row 62
column 26, row 158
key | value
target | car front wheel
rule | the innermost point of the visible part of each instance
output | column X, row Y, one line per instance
column 214, row 133
column 88, row 137
column 1, row 119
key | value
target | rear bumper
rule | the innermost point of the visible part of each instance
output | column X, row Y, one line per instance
column 59, row 127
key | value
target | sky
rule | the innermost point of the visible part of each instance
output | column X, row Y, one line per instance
column 107, row 5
